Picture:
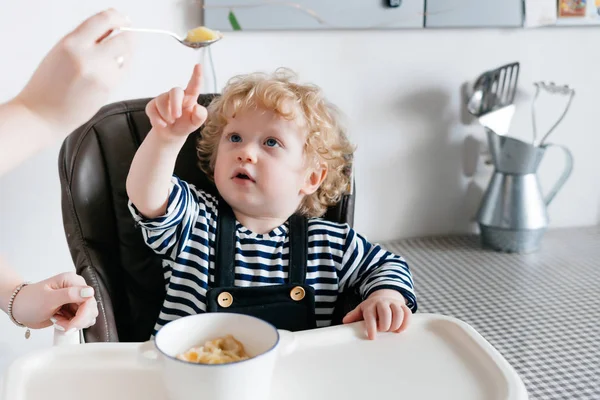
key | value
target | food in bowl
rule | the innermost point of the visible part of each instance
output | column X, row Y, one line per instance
column 222, row 350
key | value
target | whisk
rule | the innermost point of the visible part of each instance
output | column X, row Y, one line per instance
column 551, row 88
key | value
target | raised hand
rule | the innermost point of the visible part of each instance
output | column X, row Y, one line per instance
column 177, row 112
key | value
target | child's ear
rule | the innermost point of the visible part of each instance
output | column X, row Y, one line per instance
column 314, row 179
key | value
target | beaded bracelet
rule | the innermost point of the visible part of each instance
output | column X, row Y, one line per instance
column 10, row 310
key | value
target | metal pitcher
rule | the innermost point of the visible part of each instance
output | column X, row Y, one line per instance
column 513, row 213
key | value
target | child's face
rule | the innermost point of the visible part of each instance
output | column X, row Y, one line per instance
column 260, row 168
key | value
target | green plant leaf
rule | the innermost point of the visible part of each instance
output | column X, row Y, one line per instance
column 234, row 22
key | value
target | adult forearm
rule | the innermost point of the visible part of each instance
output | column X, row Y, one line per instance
column 149, row 179
column 9, row 280
column 22, row 134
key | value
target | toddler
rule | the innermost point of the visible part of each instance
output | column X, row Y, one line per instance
column 279, row 157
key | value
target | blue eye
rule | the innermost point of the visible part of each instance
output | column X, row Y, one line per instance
column 271, row 142
column 235, row 138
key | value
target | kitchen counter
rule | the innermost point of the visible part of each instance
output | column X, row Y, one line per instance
column 540, row 310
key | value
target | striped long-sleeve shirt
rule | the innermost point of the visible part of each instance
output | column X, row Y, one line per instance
column 339, row 259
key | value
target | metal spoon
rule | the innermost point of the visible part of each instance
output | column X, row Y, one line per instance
column 183, row 41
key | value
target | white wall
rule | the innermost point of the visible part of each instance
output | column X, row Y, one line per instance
column 399, row 89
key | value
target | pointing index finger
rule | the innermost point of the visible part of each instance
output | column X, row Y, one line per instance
column 194, row 86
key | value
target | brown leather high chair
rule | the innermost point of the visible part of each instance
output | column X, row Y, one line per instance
column 107, row 248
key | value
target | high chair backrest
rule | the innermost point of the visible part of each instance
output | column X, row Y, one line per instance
column 106, row 246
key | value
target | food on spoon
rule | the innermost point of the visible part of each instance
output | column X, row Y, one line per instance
column 223, row 350
column 201, row 34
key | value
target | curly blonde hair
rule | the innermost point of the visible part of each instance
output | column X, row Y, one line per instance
column 326, row 141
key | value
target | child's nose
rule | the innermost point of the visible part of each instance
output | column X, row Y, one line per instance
column 247, row 155
column 246, row 159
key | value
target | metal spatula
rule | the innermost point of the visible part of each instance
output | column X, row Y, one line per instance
column 493, row 95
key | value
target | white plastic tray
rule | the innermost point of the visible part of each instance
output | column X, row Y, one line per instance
column 436, row 358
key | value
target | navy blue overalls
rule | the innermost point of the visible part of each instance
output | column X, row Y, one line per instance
column 290, row 306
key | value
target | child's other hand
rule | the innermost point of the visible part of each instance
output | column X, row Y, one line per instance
column 384, row 310
column 177, row 112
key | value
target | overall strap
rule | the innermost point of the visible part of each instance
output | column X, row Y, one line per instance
column 298, row 249
column 225, row 246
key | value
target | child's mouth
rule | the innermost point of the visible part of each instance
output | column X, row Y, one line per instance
column 244, row 177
